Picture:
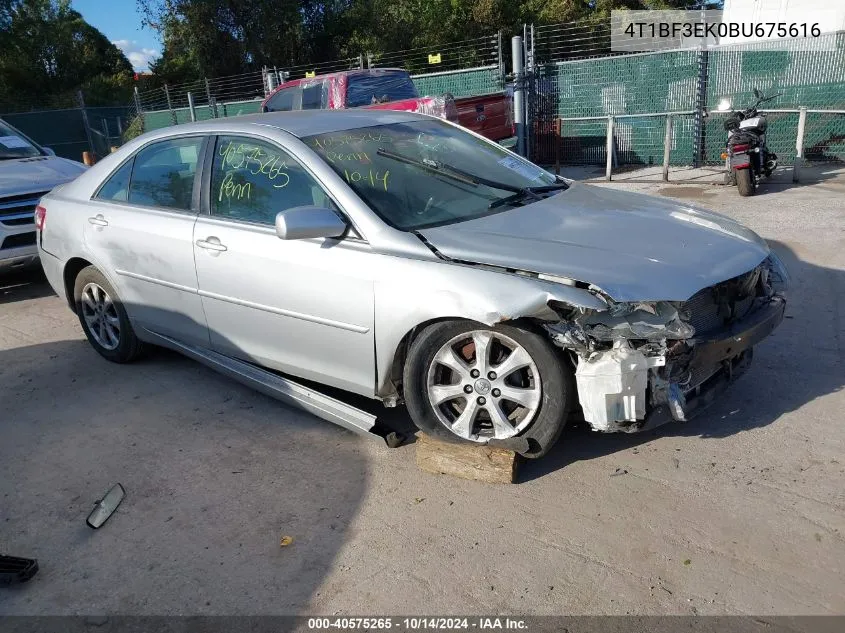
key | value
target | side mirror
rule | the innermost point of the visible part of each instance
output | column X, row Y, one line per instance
column 300, row 223
column 49, row 151
column 757, row 93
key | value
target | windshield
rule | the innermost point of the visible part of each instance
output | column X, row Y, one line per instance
column 427, row 173
column 14, row 145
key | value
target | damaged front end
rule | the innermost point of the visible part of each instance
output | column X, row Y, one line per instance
column 642, row 364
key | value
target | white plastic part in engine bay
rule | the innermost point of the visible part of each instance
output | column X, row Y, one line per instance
column 612, row 385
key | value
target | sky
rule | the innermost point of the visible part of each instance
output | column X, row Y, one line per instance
column 120, row 21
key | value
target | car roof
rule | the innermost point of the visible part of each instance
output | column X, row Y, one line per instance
column 300, row 122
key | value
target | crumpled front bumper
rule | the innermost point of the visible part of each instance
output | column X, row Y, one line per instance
column 729, row 351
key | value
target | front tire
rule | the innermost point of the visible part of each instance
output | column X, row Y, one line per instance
column 103, row 317
column 467, row 382
column 745, row 182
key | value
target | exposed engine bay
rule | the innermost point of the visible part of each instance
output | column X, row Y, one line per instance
column 641, row 364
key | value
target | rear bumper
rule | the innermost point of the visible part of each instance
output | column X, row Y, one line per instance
column 722, row 356
column 15, row 258
column 53, row 267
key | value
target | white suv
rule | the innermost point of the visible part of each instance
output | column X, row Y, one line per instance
column 27, row 172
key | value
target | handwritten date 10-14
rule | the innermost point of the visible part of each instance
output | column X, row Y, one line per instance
column 373, row 177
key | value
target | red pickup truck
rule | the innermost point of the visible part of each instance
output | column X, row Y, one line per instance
column 392, row 89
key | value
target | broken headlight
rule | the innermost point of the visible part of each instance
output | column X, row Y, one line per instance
column 777, row 274
column 652, row 320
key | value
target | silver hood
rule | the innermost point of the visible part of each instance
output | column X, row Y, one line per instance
column 40, row 173
column 633, row 246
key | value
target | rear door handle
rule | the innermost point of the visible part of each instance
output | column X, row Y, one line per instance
column 98, row 220
column 211, row 243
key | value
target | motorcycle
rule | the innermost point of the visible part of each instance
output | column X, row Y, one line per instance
column 750, row 158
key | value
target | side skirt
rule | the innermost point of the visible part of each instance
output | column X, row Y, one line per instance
column 275, row 386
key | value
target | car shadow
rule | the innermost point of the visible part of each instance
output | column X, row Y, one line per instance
column 804, row 359
column 216, row 476
column 23, row 284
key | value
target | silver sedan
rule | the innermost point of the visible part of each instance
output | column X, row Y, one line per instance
column 403, row 258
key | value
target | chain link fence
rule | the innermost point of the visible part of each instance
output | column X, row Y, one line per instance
column 576, row 85
column 71, row 131
column 467, row 68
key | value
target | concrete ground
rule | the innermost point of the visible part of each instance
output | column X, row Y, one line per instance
column 739, row 511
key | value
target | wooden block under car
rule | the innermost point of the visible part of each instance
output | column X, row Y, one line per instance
column 479, row 463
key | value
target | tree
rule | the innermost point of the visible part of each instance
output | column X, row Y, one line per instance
column 224, row 37
column 50, row 52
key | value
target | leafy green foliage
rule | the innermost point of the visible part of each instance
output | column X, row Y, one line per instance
column 134, row 129
column 215, row 38
column 50, row 52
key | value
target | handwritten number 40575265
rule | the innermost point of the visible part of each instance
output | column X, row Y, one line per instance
column 253, row 160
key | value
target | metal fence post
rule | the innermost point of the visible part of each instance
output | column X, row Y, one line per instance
column 81, row 100
column 667, row 147
column 106, row 132
column 518, row 93
column 361, row 61
column 369, row 60
column 501, row 60
column 212, row 108
column 191, row 108
column 608, row 170
column 558, row 135
column 138, row 101
column 799, row 144
column 700, row 106
column 170, row 105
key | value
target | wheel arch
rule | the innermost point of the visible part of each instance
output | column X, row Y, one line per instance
column 400, row 355
column 71, row 271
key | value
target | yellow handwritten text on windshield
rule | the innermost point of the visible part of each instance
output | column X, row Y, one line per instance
column 348, row 138
column 373, row 177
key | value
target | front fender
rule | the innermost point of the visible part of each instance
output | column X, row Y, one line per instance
column 413, row 292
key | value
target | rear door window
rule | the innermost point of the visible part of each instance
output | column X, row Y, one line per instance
column 163, row 173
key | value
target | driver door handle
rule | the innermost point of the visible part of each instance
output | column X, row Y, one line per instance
column 211, row 243
column 98, row 220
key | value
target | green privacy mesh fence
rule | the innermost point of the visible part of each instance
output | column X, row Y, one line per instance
column 461, row 83
column 668, row 82
column 64, row 130
column 625, row 85
column 163, row 118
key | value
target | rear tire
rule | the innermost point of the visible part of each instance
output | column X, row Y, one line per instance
column 103, row 318
column 543, row 382
column 745, row 182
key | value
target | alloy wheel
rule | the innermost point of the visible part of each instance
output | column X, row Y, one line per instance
column 484, row 385
column 100, row 316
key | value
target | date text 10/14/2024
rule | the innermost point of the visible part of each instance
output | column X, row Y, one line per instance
column 419, row 623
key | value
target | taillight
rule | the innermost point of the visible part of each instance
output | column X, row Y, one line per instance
column 740, row 148
column 40, row 217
